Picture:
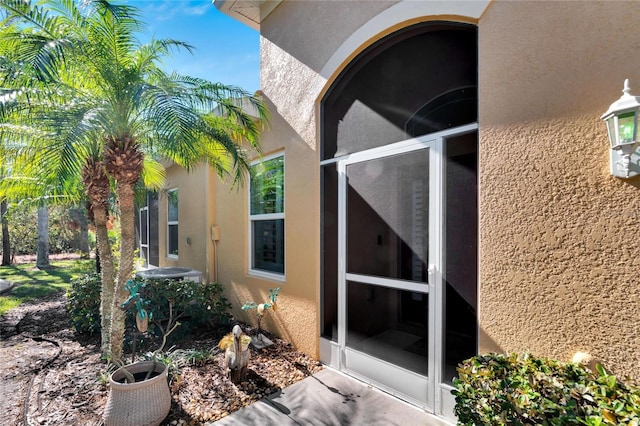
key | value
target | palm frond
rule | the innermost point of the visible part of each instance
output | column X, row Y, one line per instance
column 153, row 174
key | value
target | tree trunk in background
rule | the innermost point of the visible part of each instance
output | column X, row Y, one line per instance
column 107, row 273
column 98, row 190
column 78, row 216
column 125, row 269
column 42, row 258
column 6, row 240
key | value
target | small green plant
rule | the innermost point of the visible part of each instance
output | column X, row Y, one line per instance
column 175, row 359
column 103, row 378
column 262, row 307
column 520, row 389
column 159, row 306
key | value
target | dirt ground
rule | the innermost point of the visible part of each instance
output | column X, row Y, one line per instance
column 49, row 375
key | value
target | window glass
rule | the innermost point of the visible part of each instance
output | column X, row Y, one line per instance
column 267, row 187
column 266, row 213
column 144, row 226
column 269, row 245
column 388, row 217
column 356, row 118
column 172, row 202
column 172, row 223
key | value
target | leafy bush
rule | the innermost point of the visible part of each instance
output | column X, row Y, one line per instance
column 83, row 303
column 194, row 304
column 500, row 389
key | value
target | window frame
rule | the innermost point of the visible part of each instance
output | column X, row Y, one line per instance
column 144, row 231
column 252, row 218
column 171, row 223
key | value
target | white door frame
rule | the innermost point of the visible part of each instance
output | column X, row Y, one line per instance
column 438, row 397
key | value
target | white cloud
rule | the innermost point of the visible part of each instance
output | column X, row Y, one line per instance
column 168, row 9
column 198, row 10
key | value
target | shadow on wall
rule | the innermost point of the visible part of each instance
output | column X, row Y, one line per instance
column 284, row 130
column 238, row 294
column 635, row 182
column 486, row 343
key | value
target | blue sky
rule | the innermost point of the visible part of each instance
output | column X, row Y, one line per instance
column 226, row 51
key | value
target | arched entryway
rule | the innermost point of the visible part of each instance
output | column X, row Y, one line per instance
column 399, row 212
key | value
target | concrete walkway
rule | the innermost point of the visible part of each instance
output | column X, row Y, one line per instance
column 329, row 398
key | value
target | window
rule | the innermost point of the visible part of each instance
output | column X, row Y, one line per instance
column 143, row 216
column 172, row 223
column 266, row 217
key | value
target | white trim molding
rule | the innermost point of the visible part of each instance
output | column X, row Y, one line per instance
column 404, row 11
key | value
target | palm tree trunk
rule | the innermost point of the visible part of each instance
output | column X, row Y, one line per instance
column 107, row 273
column 125, row 195
column 6, row 240
column 42, row 256
column 98, row 190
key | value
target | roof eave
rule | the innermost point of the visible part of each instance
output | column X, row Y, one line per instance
column 249, row 12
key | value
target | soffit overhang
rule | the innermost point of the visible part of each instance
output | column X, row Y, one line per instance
column 249, row 12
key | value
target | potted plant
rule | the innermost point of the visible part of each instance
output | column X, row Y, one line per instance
column 139, row 392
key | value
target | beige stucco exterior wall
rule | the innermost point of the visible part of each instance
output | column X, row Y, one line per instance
column 304, row 46
column 296, row 318
column 299, row 44
column 559, row 246
column 195, row 214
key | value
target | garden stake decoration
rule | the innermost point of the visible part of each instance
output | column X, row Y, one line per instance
column 260, row 311
column 142, row 323
column 142, row 316
column 236, row 355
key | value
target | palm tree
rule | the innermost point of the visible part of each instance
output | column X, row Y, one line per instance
column 88, row 99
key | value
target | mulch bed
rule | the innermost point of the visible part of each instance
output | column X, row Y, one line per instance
column 50, row 375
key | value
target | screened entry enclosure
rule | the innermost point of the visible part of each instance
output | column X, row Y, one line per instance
column 399, row 213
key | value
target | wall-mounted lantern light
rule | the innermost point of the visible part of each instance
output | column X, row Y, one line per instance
column 622, row 124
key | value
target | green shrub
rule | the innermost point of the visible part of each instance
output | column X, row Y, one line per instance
column 501, row 389
column 83, row 303
column 194, row 304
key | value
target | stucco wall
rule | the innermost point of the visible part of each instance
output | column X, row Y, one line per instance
column 304, row 45
column 292, row 56
column 296, row 319
column 559, row 252
column 194, row 217
column 558, row 248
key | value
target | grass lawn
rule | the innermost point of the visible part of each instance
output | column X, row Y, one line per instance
column 35, row 283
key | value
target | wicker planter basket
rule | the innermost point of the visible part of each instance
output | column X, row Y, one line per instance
column 144, row 403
